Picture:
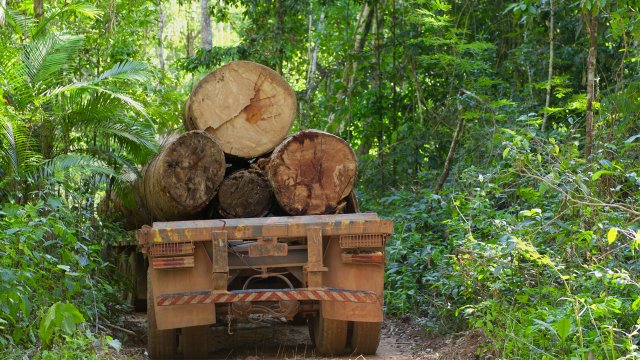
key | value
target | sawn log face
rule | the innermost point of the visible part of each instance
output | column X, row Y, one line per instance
column 244, row 194
column 311, row 172
column 247, row 107
column 183, row 178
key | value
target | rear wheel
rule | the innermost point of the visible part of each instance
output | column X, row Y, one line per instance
column 365, row 337
column 194, row 342
column 161, row 344
column 328, row 335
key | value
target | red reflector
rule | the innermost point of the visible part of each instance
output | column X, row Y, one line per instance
column 368, row 258
column 173, row 262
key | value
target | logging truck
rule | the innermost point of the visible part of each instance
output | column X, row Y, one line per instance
column 276, row 234
column 327, row 269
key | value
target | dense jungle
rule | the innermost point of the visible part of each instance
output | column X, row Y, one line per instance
column 501, row 137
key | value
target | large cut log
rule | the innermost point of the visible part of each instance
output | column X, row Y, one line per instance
column 183, row 178
column 244, row 194
column 247, row 107
column 311, row 172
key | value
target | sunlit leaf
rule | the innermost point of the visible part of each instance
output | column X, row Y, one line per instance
column 612, row 235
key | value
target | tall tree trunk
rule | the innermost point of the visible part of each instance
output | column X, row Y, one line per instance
column 161, row 24
column 190, row 36
column 3, row 4
column 365, row 18
column 591, row 21
column 313, row 63
column 205, row 26
column 547, row 101
column 111, row 18
column 279, row 30
column 449, row 161
column 38, row 8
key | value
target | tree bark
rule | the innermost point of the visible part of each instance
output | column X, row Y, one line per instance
column 206, row 41
column 449, row 161
column 3, row 5
column 244, row 194
column 365, row 19
column 183, row 178
column 312, row 172
column 547, row 101
column 591, row 21
column 38, row 8
column 247, row 107
column 161, row 25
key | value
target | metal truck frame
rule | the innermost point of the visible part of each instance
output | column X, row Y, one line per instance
column 328, row 269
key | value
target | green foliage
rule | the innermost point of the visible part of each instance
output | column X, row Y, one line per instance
column 60, row 316
column 52, row 272
column 527, row 240
column 528, row 250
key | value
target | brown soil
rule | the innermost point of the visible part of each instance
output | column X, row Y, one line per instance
column 401, row 339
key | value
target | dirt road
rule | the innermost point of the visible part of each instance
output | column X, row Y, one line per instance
column 400, row 340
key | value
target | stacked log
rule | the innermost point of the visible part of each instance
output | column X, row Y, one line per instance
column 244, row 194
column 183, row 178
column 247, row 107
column 237, row 118
column 312, row 172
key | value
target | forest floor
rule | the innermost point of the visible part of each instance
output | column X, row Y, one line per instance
column 401, row 339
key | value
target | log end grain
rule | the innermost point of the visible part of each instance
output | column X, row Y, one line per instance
column 247, row 107
column 245, row 194
column 184, row 177
column 311, row 172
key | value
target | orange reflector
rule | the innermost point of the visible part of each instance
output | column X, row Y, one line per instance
column 171, row 249
column 173, row 262
column 362, row 241
column 368, row 258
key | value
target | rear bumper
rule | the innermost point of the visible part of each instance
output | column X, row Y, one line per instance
column 324, row 294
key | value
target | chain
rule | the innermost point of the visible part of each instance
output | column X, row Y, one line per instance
column 229, row 320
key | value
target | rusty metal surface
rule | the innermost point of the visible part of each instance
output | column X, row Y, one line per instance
column 342, row 275
column 281, row 220
column 273, row 227
column 267, row 248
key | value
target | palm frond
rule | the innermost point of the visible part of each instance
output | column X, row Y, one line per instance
column 17, row 148
column 104, row 115
column 13, row 77
column 86, row 10
column 20, row 23
column 84, row 86
column 127, row 70
column 48, row 54
column 81, row 163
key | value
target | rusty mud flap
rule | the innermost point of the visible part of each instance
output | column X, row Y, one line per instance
column 325, row 294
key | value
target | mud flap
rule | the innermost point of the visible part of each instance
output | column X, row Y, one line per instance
column 352, row 311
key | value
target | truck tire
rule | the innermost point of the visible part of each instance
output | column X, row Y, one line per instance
column 365, row 337
column 328, row 335
column 195, row 341
column 161, row 344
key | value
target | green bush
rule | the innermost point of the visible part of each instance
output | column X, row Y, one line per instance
column 53, row 273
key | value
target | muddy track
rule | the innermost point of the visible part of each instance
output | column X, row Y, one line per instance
column 400, row 340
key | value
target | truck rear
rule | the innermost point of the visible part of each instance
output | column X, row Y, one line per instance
column 327, row 269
